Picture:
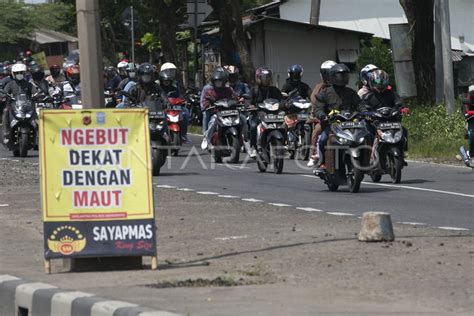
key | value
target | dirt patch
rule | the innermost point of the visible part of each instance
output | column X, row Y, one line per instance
column 219, row 282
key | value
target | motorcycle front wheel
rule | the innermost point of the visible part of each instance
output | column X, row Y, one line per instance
column 175, row 141
column 277, row 152
column 354, row 177
column 395, row 165
column 234, row 144
column 157, row 161
column 24, row 143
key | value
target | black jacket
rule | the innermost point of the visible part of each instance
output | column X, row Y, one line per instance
column 303, row 89
column 142, row 92
column 260, row 94
column 336, row 98
column 16, row 87
column 374, row 101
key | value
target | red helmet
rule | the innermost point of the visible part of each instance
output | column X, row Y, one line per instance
column 55, row 67
column 73, row 73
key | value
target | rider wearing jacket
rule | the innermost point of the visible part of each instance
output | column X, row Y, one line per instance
column 295, row 73
column 145, row 87
column 337, row 97
column 364, row 78
column 19, row 85
column 56, row 77
column 38, row 80
column 468, row 111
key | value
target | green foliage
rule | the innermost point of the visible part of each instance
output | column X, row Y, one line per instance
column 15, row 23
column 434, row 134
column 54, row 16
column 150, row 42
column 379, row 54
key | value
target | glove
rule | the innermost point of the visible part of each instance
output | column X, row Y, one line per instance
column 469, row 113
column 322, row 117
column 405, row 111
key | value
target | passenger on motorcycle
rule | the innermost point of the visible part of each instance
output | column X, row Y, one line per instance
column 56, row 77
column 264, row 90
column 468, row 111
column 364, row 78
column 129, row 82
column 295, row 73
column 38, row 80
column 112, row 79
column 72, row 85
column 19, row 85
column 318, row 128
column 216, row 90
column 337, row 97
column 145, row 87
column 169, row 85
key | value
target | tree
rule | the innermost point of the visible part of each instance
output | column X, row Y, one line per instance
column 379, row 54
column 15, row 23
column 420, row 18
column 233, row 36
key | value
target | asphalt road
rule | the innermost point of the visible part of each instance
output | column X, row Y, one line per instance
column 430, row 194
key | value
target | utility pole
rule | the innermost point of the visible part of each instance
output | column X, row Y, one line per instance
column 447, row 56
column 315, row 12
column 132, row 30
column 438, row 53
column 88, row 29
column 196, row 57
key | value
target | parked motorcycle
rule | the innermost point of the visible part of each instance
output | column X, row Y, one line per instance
column 227, row 138
column 388, row 149
column 271, row 137
column 174, row 117
column 193, row 103
column 347, row 155
column 299, row 132
column 23, row 126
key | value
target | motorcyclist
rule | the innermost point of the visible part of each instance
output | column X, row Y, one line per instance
column 56, row 77
column 122, row 69
column 4, row 79
column 216, row 90
column 38, row 80
column 318, row 128
column 145, row 87
column 337, row 97
column 19, row 85
column 112, row 79
column 169, row 85
column 468, row 111
column 364, row 78
column 70, row 89
column 264, row 90
column 295, row 73
column 131, row 72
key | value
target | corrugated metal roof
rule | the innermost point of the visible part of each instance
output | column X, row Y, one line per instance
column 48, row 36
column 457, row 55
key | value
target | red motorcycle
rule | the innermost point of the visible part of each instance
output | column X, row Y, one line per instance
column 174, row 117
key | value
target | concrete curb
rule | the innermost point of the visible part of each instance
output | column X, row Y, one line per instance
column 20, row 297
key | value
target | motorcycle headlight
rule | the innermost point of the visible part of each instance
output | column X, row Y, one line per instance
column 387, row 137
column 28, row 115
column 153, row 126
column 343, row 141
column 227, row 121
column 398, row 136
column 173, row 119
column 362, row 139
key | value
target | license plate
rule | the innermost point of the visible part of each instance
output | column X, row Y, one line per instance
column 303, row 116
column 273, row 118
column 229, row 113
column 156, row 115
column 352, row 125
column 395, row 125
column 176, row 108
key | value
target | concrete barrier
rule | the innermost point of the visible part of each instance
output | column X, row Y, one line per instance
column 376, row 226
column 22, row 298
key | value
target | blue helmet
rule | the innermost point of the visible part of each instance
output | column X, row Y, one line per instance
column 295, row 72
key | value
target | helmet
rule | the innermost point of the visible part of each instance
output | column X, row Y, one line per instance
column 146, row 72
column 379, row 80
column 263, row 76
column 55, row 70
column 110, row 72
column 122, row 68
column 73, row 73
column 28, row 53
column 6, row 68
column 37, row 73
column 295, row 72
column 19, row 71
column 219, row 77
column 233, row 73
column 131, row 70
column 168, row 72
column 339, row 75
column 366, row 72
column 325, row 69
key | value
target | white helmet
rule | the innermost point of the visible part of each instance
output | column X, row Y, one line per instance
column 19, row 71
column 325, row 68
column 166, row 66
column 122, row 64
column 365, row 73
column 168, row 72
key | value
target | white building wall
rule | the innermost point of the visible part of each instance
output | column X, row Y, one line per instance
column 296, row 10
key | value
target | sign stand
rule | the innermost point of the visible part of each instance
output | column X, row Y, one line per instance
column 96, row 187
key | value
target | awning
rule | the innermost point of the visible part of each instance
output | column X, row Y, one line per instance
column 457, row 55
column 47, row 37
column 349, row 56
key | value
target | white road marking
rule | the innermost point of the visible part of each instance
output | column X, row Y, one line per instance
column 4, row 205
column 229, row 196
column 412, row 223
column 309, row 209
column 453, row 228
column 185, row 189
column 232, row 167
column 231, row 237
column 419, row 189
column 252, row 200
column 307, row 176
column 340, row 214
column 165, row 186
column 280, row 204
column 207, row 193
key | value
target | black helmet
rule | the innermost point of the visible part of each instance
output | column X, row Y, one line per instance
column 339, row 75
column 325, row 69
column 146, row 72
column 295, row 72
column 37, row 73
column 219, row 77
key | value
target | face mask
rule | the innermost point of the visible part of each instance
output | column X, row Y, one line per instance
column 146, row 78
column 19, row 76
column 218, row 84
column 132, row 74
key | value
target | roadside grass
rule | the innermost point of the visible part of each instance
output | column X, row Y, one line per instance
column 195, row 129
column 433, row 134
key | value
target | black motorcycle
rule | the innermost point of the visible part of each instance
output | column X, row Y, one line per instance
column 193, row 103
column 347, row 152
column 23, row 126
column 299, row 132
column 388, row 152
column 271, row 136
column 110, row 99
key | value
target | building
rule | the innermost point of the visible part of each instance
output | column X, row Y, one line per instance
column 55, row 45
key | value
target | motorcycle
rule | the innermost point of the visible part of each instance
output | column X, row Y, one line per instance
column 469, row 162
column 299, row 132
column 193, row 103
column 271, row 137
column 110, row 99
column 227, row 138
column 159, row 132
column 389, row 144
column 23, row 126
column 346, row 157
column 174, row 118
